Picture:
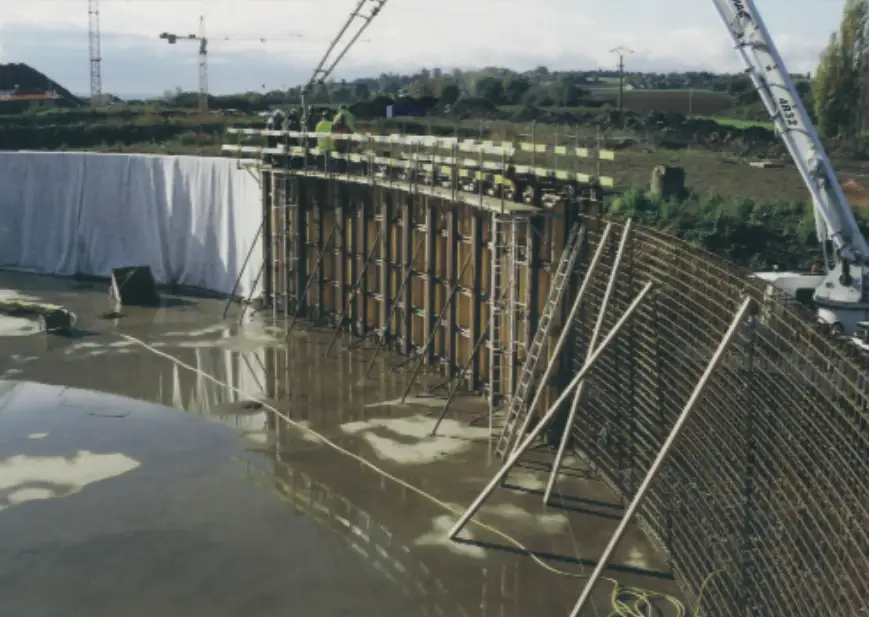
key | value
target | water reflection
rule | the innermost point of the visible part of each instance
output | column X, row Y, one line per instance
column 368, row 512
column 325, row 393
column 380, row 546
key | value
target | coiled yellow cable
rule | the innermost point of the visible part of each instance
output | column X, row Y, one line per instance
column 625, row 601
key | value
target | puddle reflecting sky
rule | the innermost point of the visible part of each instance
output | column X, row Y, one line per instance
column 110, row 506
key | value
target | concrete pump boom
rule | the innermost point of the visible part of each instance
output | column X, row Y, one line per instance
column 366, row 10
column 841, row 297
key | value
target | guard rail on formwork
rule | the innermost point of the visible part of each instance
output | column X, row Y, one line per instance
column 466, row 167
column 764, row 501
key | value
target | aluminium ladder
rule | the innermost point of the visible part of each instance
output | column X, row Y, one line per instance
column 517, row 410
column 497, row 310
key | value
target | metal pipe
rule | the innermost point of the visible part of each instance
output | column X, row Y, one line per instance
column 514, row 457
column 598, row 326
column 586, row 283
column 665, row 450
column 243, row 267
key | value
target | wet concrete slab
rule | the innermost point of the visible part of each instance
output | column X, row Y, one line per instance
column 379, row 480
column 111, row 506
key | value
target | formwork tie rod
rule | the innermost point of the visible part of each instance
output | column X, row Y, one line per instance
column 382, row 337
column 356, row 287
column 436, row 326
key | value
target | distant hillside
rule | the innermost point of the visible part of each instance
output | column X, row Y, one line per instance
column 25, row 80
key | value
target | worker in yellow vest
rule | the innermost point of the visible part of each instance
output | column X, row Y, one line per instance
column 348, row 118
column 324, row 144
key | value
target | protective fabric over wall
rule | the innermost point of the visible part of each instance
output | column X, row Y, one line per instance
column 192, row 219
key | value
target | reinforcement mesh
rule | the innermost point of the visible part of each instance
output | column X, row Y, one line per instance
column 765, row 496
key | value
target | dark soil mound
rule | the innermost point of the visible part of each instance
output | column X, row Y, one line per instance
column 24, row 79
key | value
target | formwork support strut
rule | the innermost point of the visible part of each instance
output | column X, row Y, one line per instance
column 315, row 274
column 457, row 381
column 550, row 414
column 595, row 335
column 434, row 329
column 357, row 286
column 632, row 508
column 562, row 338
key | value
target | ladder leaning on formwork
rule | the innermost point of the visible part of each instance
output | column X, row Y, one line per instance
column 517, row 406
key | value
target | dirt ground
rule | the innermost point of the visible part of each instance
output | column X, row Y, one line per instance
column 384, row 484
column 713, row 173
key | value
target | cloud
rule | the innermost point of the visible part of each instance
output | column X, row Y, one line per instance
column 408, row 35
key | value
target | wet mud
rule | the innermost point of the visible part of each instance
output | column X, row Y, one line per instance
column 396, row 525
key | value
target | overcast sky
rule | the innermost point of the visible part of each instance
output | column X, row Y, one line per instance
column 52, row 36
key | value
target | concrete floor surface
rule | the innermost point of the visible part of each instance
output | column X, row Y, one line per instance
column 259, row 517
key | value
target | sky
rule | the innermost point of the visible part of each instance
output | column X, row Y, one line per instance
column 664, row 35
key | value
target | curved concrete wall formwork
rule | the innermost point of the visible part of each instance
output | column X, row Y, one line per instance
column 764, row 501
column 765, row 497
column 191, row 219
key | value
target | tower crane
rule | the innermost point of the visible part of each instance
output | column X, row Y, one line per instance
column 841, row 292
column 364, row 12
column 94, row 49
column 203, row 41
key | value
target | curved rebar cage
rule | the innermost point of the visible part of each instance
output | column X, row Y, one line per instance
column 764, row 497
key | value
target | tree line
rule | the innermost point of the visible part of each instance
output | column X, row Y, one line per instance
column 539, row 87
column 841, row 85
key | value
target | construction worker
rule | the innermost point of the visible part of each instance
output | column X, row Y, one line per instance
column 275, row 120
column 275, row 123
column 324, row 144
column 293, row 122
column 348, row 118
column 339, row 126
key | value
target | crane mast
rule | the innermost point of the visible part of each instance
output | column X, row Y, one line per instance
column 841, row 297
column 95, row 56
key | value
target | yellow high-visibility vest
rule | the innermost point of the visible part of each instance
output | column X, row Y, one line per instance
column 324, row 143
column 349, row 119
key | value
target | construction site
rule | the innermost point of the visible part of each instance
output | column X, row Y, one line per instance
column 481, row 395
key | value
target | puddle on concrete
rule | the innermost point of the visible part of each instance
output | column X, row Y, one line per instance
column 333, row 396
column 11, row 294
column 550, row 522
column 125, row 507
column 27, row 478
column 18, row 326
column 409, row 441
column 438, row 537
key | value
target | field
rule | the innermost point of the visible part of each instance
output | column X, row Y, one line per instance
column 708, row 170
column 686, row 102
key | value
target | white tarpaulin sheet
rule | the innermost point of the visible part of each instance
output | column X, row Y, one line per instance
column 191, row 219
